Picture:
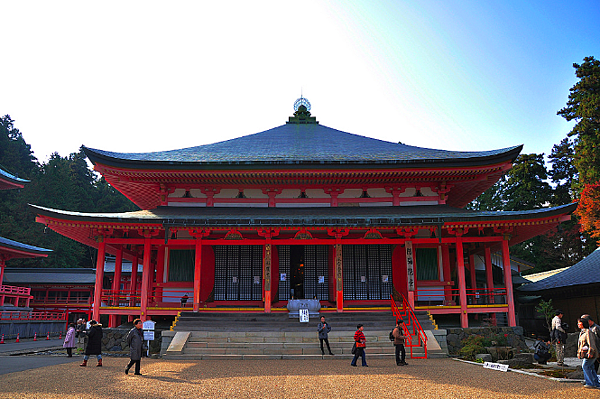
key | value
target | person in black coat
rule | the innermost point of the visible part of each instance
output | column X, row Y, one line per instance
column 135, row 339
column 94, row 344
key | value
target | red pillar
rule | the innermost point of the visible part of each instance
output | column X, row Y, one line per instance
column 339, row 277
column 462, row 288
column 160, row 272
column 197, row 273
column 99, row 279
column 267, row 259
column 133, row 285
column 116, row 287
column 512, row 320
column 1, row 273
column 145, row 280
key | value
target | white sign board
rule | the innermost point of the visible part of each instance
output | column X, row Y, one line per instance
column 149, row 335
column 149, row 325
column 304, row 317
column 495, row 366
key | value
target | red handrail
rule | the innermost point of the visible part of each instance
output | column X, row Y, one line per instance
column 417, row 330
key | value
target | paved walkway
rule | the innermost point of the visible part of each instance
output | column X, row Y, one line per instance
column 432, row 378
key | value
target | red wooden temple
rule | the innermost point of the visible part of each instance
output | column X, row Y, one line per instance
column 306, row 211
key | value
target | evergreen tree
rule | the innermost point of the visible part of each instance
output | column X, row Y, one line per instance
column 583, row 107
column 526, row 187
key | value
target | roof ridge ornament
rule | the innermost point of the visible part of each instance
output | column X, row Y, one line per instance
column 302, row 113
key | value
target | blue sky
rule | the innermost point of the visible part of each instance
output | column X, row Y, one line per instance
column 148, row 76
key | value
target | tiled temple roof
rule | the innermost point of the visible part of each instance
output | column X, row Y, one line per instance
column 10, row 245
column 9, row 181
column 585, row 272
column 50, row 276
column 301, row 144
column 322, row 217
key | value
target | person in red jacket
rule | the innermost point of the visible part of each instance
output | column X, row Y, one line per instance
column 361, row 343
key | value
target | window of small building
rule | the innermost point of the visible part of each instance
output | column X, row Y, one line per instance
column 181, row 264
column 427, row 264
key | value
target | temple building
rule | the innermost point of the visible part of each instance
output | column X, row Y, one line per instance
column 303, row 211
column 14, row 300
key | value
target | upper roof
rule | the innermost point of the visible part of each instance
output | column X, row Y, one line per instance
column 15, row 249
column 582, row 273
column 300, row 144
column 9, row 181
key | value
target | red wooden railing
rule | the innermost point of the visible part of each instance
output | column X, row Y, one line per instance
column 8, row 315
column 412, row 327
column 13, row 290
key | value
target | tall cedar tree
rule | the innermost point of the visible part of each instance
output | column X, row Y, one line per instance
column 61, row 183
column 583, row 107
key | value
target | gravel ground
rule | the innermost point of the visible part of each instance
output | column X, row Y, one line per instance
column 432, row 378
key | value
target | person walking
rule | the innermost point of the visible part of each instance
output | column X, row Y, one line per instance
column 135, row 339
column 559, row 336
column 399, row 338
column 69, row 343
column 94, row 343
column 324, row 330
column 588, row 351
column 596, row 330
column 361, row 343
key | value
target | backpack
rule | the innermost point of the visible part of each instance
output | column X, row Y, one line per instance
column 392, row 335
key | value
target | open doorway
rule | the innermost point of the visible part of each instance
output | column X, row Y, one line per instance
column 297, row 271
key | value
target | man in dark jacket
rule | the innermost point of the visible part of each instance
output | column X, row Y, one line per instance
column 94, row 343
column 399, row 339
column 323, row 328
column 135, row 339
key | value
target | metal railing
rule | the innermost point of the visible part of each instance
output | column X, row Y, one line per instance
column 411, row 327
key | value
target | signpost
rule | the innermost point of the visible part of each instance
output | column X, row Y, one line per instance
column 304, row 315
column 148, row 329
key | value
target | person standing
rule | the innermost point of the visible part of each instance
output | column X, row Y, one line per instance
column 361, row 343
column 135, row 339
column 596, row 330
column 324, row 329
column 559, row 336
column 69, row 343
column 588, row 351
column 80, row 333
column 94, row 343
column 399, row 338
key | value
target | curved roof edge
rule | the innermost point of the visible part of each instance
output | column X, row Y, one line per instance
column 12, row 179
column 18, row 246
column 304, row 145
column 584, row 272
column 328, row 216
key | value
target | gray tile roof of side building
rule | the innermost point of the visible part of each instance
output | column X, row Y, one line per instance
column 582, row 273
column 9, row 176
column 23, row 276
column 298, row 144
column 10, row 244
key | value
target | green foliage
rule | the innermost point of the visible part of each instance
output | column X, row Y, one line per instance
column 583, row 107
column 61, row 183
column 526, row 186
column 563, row 173
column 472, row 346
column 547, row 310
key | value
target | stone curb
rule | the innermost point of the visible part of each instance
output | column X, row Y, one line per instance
column 563, row 380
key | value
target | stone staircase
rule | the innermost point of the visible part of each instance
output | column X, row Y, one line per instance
column 205, row 335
